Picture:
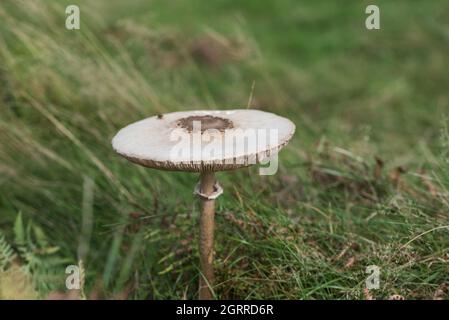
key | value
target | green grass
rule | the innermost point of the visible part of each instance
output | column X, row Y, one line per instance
column 307, row 232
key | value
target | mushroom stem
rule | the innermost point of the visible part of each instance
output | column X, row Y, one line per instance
column 207, row 182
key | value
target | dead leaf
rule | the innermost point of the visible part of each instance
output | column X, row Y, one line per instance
column 395, row 175
column 350, row 262
column 367, row 294
column 15, row 284
column 396, row 297
column 64, row 295
column 442, row 291
column 378, row 168
column 433, row 190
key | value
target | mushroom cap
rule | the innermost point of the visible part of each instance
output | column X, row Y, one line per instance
column 204, row 140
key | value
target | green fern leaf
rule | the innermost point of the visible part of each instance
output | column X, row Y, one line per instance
column 7, row 254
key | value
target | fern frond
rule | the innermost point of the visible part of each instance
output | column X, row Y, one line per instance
column 7, row 254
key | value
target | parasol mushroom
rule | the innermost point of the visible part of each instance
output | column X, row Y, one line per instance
column 204, row 141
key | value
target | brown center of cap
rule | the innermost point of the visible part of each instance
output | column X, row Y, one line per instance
column 207, row 122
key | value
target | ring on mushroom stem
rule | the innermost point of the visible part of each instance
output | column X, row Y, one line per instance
column 218, row 191
column 204, row 141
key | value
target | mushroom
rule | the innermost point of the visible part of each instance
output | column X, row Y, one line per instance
column 204, row 141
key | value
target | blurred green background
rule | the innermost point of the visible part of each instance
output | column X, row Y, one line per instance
column 364, row 181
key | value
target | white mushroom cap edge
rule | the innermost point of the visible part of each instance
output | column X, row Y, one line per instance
column 152, row 142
